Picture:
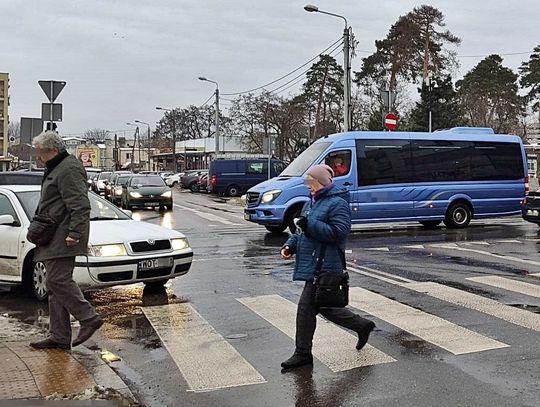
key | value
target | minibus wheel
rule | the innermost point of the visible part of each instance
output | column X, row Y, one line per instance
column 459, row 215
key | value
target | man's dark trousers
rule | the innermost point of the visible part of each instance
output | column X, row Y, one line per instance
column 306, row 320
column 65, row 298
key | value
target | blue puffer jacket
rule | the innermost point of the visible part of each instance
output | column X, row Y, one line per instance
column 329, row 221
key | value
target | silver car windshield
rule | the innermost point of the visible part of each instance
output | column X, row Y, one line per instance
column 100, row 208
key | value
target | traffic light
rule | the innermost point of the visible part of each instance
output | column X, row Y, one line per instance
column 51, row 126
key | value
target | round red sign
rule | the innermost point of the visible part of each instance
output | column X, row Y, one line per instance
column 390, row 121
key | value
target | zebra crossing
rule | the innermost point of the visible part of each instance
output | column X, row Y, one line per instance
column 209, row 361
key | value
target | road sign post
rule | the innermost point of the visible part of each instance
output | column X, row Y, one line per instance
column 51, row 112
column 390, row 121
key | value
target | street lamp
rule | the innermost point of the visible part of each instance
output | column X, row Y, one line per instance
column 149, row 142
column 202, row 78
column 346, row 64
column 175, row 163
column 132, row 162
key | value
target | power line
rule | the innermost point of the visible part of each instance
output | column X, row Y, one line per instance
column 284, row 76
column 301, row 75
column 208, row 100
column 494, row 53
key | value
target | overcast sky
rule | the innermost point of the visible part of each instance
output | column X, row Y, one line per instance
column 122, row 58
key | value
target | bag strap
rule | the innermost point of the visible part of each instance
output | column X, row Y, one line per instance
column 322, row 253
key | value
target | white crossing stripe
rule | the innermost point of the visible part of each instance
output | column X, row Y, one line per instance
column 476, row 243
column 535, row 275
column 498, row 256
column 478, row 303
column 440, row 332
column 205, row 215
column 205, row 359
column 331, row 345
column 508, row 284
column 379, row 249
column 414, row 246
column 508, row 241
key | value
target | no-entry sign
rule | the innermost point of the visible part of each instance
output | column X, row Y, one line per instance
column 390, row 121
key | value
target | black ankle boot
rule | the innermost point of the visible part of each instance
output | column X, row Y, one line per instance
column 364, row 335
column 297, row 360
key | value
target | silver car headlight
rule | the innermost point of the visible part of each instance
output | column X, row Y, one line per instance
column 107, row 250
column 179, row 244
column 118, row 192
column 135, row 195
column 167, row 194
column 270, row 196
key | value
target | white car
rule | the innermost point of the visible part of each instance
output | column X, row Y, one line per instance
column 120, row 251
column 174, row 179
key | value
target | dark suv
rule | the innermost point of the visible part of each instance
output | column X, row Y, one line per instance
column 190, row 179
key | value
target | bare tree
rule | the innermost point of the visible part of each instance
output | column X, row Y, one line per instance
column 95, row 135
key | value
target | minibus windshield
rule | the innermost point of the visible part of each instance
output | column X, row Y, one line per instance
column 305, row 160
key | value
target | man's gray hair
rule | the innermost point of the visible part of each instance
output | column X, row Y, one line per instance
column 49, row 140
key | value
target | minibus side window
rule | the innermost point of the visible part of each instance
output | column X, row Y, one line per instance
column 340, row 161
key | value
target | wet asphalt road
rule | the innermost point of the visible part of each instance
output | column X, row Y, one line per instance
column 235, row 259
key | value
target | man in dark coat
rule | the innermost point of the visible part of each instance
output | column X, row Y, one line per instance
column 325, row 221
column 64, row 199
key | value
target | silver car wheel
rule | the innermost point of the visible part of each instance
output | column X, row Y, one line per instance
column 38, row 281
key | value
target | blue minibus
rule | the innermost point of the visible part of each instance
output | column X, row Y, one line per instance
column 449, row 176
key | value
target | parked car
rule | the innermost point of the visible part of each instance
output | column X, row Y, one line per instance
column 120, row 250
column 234, row 177
column 203, row 183
column 530, row 209
column 91, row 174
column 109, row 185
column 117, row 184
column 21, row 178
column 190, row 179
column 165, row 174
column 173, row 179
column 147, row 191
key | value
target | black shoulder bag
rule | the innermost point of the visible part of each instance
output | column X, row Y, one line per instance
column 331, row 288
column 41, row 230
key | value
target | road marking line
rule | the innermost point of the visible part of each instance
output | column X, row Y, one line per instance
column 478, row 303
column 379, row 249
column 445, row 245
column 476, row 243
column 535, row 275
column 507, row 241
column 438, row 331
column 356, row 268
column 414, row 246
column 483, row 252
column 332, row 345
column 508, row 284
column 205, row 359
column 208, row 216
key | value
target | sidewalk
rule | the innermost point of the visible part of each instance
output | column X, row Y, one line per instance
column 53, row 374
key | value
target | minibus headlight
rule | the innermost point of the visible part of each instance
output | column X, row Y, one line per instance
column 270, row 196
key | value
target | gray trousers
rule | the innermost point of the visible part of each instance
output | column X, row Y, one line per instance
column 65, row 298
column 306, row 320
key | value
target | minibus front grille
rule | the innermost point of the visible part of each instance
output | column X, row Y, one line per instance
column 252, row 198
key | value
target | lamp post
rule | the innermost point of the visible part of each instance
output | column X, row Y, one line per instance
column 149, row 142
column 132, row 163
column 202, row 78
column 175, row 163
column 346, row 65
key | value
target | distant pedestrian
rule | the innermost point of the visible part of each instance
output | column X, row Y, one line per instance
column 60, row 231
column 325, row 220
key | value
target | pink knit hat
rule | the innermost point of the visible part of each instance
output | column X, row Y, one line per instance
column 322, row 173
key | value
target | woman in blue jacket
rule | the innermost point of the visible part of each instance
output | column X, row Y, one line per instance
column 325, row 220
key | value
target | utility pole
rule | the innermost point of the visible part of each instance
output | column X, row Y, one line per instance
column 217, row 121
column 347, row 80
column 175, row 162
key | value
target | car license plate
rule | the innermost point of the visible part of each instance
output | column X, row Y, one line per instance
column 151, row 204
column 247, row 216
column 152, row 264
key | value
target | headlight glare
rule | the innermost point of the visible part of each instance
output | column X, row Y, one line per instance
column 167, row 194
column 118, row 192
column 107, row 250
column 179, row 244
column 270, row 196
column 135, row 195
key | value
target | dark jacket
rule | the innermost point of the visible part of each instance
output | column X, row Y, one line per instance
column 328, row 222
column 64, row 198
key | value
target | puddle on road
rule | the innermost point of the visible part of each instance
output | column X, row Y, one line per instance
column 527, row 307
